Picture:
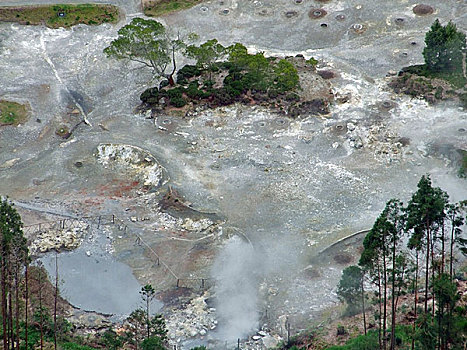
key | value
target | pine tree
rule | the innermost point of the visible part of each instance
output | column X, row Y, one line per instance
column 445, row 48
column 425, row 214
column 13, row 256
column 148, row 294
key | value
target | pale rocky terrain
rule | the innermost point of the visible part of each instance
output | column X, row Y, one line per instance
column 288, row 188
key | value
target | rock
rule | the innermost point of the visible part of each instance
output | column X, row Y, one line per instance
column 196, row 225
column 335, row 145
column 59, row 239
column 131, row 158
column 262, row 333
column 270, row 342
column 343, row 98
column 75, row 111
column 358, row 144
column 9, row 163
column 256, row 337
column 133, row 219
column 350, row 126
column 88, row 253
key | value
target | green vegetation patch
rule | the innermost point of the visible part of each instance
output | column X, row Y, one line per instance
column 12, row 113
column 455, row 78
column 463, row 163
column 74, row 346
column 56, row 16
column 157, row 8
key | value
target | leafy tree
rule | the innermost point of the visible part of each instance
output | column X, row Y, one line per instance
column 445, row 292
column 111, row 340
column 456, row 220
column 286, row 76
column 445, row 48
column 13, row 257
column 147, row 42
column 349, row 289
column 137, row 327
column 206, row 54
column 383, row 258
column 374, row 260
column 425, row 212
column 152, row 343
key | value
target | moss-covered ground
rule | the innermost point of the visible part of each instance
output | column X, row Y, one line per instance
column 12, row 113
column 157, row 8
column 56, row 16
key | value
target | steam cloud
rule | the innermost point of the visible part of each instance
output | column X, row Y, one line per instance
column 237, row 272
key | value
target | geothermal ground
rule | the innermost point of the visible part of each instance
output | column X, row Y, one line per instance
column 234, row 204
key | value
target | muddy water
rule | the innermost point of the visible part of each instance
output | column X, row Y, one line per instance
column 93, row 280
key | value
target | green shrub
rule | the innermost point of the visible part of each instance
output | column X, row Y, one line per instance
column 362, row 342
column 150, row 95
column 193, row 92
column 222, row 97
column 175, row 93
column 208, row 84
column 292, row 97
column 312, row 62
column 187, row 72
column 178, row 102
column 439, row 93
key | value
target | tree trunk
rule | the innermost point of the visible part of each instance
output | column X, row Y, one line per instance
column 433, row 275
column 170, row 77
column 427, row 267
column 451, row 253
column 41, row 320
column 55, row 301
column 10, row 320
column 415, row 300
column 147, row 318
column 380, row 307
column 385, row 300
column 393, row 305
column 17, row 306
column 4, row 302
column 363, row 308
column 26, row 301
column 442, row 247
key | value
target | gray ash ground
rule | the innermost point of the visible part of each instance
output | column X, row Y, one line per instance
column 289, row 187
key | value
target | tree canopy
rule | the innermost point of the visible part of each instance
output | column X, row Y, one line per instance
column 432, row 228
column 207, row 53
column 445, row 48
column 146, row 42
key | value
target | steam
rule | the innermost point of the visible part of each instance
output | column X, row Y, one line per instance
column 237, row 271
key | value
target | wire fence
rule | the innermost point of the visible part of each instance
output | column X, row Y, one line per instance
column 98, row 222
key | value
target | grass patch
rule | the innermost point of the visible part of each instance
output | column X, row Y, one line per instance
column 12, row 113
column 155, row 8
column 56, row 16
